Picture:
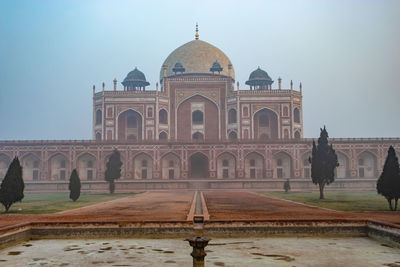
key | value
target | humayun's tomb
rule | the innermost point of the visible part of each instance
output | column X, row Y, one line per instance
column 195, row 129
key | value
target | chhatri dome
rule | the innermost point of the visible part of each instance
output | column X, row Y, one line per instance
column 197, row 57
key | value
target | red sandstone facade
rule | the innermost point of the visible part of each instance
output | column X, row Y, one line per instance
column 195, row 130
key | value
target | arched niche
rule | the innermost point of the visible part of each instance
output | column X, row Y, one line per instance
column 254, row 166
column 226, row 166
column 232, row 116
column 58, row 167
column 170, row 164
column 30, row 167
column 265, row 122
column 143, row 166
column 86, row 167
column 367, row 165
column 342, row 171
column 163, row 116
column 198, row 166
column 130, row 125
column 282, row 165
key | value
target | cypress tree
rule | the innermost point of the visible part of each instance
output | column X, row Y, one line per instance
column 113, row 171
column 12, row 186
column 323, row 162
column 388, row 184
column 74, row 186
column 286, row 186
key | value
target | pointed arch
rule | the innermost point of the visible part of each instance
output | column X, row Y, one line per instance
column 31, row 166
column 342, row 171
column 283, row 165
column 226, row 165
column 58, row 166
column 266, row 121
column 254, row 165
column 142, row 166
column 129, row 125
column 367, row 164
column 163, row 116
column 170, row 166
column 199, row 165
column 86, row 166
column 188, row 118
column 232, row 116
column 163, row 136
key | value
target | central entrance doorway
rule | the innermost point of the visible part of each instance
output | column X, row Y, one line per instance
column 198, row 166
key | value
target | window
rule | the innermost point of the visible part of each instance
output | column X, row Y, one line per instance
column 198, row 136
column 171, row 174
column 233, row 135
column 150, row 112
column 144, row 174
column 232, row 116
column 144, row 163
column 163, row 116
column 252, row 173
column 62, row 164
column 109, row 112
column 361, row 172
column 252, row 162
column 245, row 112
column 90, row 175
column 36, row 164
column 296, row 115
column 62, row 175
column 264, row 136
column 90, row 164
column 279, row 162
column 263, row 120
column 297, row 135
column 306, row 162
column 307, row 173
column 171, row 163
column 98, row 136
column 360, row 162
column 225, row 163
column 98, row 117
column 225, row 173
column 279, row 172
column 197, row 117
column 162, row 136
column 35, row 175
column 285, row 111
column 131, row 121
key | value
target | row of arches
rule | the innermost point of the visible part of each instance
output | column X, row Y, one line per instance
column 266, row 125
column 59, row 166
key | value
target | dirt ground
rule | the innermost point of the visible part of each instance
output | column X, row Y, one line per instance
column 225, row 206
column 149, row 206
column 168, row 206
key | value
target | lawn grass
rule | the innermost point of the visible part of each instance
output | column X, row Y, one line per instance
column 338, row 200
column 41, row 203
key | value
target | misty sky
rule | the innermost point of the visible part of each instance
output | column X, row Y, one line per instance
column 346, row 54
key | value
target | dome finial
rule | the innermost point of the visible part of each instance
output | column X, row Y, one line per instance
column 197, row 32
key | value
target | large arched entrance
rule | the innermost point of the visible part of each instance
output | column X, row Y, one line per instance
column 129, row 125
column 265, row 124
column 198, row 166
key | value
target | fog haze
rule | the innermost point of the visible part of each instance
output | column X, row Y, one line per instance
column 345, row 53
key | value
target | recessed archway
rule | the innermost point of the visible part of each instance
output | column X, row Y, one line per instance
column 130, row 125
column 265, row 124
column 198, row 166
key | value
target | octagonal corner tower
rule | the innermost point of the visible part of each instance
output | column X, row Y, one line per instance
column 197, row 57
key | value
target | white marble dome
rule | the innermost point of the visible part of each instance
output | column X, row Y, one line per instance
column 197, row 57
